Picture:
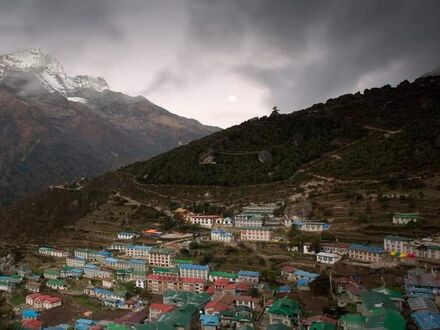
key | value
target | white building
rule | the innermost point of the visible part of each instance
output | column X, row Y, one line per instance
column 124, row 235
column 138, row 251
column 328, row 258
column 194, row 271
column 256, row 234
column 289, row 221
column 404, row 218
column 312, row 226
column 207, row 221
column 161, row 257
column 48, row 251
column 221, row 235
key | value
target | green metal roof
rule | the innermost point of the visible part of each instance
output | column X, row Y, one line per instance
column 183, row 261
column 393, row 294
column 223, row 274
column 278, row 326
column 353, row 318
column 406, row 215
column 285, row 306
column 386, row 319
column 397, row 238
column 376, row 300
column 322, row 326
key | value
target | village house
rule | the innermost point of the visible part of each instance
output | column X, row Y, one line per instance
column 107, row 283
column 207, row 221
column 195, row 271
column 334, row 247
column 131, row 319
column 289, row 221
column 138, row 251
column 153, row 233
column 312, row 226
column 366, row 253
column 57, row 284
column 309, row 248
column 248, row 220
column 76, row 262
column 99, row 256
column 156, row 310
column 210, row 322
column 248, row 301
column 267, row 209
column 218, row 304
column 48, row 251
column 124, row 235
column 103, row 294
column 82, row 253
column 328, row 258
column 139, row 277
column 285, row 311
column 6, row 286
column 221, row 235
column 304, row 278
column 124, row 275
column 182, row 298
column 227, row 222
column 138, row 264
column 421, row 283
column 248, row 276
column 261, row 234
column 404, row 218
column 51, row 274
column 288, row 272
column 215, row 275
column 161, row 257
column 119, row 246
column 426, row 320
column 159, row 284
column 29, row 314
column 42, row 301
column 94, row 271
column 33, row 286
column 426, row 248
column 395, row 296
column 116, row 263
column 68, row 271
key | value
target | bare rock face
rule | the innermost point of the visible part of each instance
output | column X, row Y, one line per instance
column 207, row 157
column 265, row 157
column 6, row 263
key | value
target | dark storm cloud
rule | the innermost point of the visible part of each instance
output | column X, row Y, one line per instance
column 195, row 56
column 56, row 24
column 323, row 48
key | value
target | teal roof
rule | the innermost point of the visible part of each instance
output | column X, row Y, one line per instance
column 353, row 318
column 376, row 300
column 386, row 319
column 285, row 307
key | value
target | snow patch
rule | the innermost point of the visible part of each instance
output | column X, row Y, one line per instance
column 77, row 99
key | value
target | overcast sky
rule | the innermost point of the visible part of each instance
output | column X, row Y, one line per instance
column 224, row 61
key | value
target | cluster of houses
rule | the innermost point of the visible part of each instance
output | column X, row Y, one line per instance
column 254, row 223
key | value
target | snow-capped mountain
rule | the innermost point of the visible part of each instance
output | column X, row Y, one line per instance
column 48, row 71
column 55, row 128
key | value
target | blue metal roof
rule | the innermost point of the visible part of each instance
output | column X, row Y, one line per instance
column 137, row 261
column 192, row 266
column 303, row 273
column 113, row 260
column 29, row 314
column 210, row 320
column 248, row 273
column 426, row 320
column 367, row 248
column 91, row 266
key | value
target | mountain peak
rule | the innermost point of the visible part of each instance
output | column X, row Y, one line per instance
column 48, row 71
